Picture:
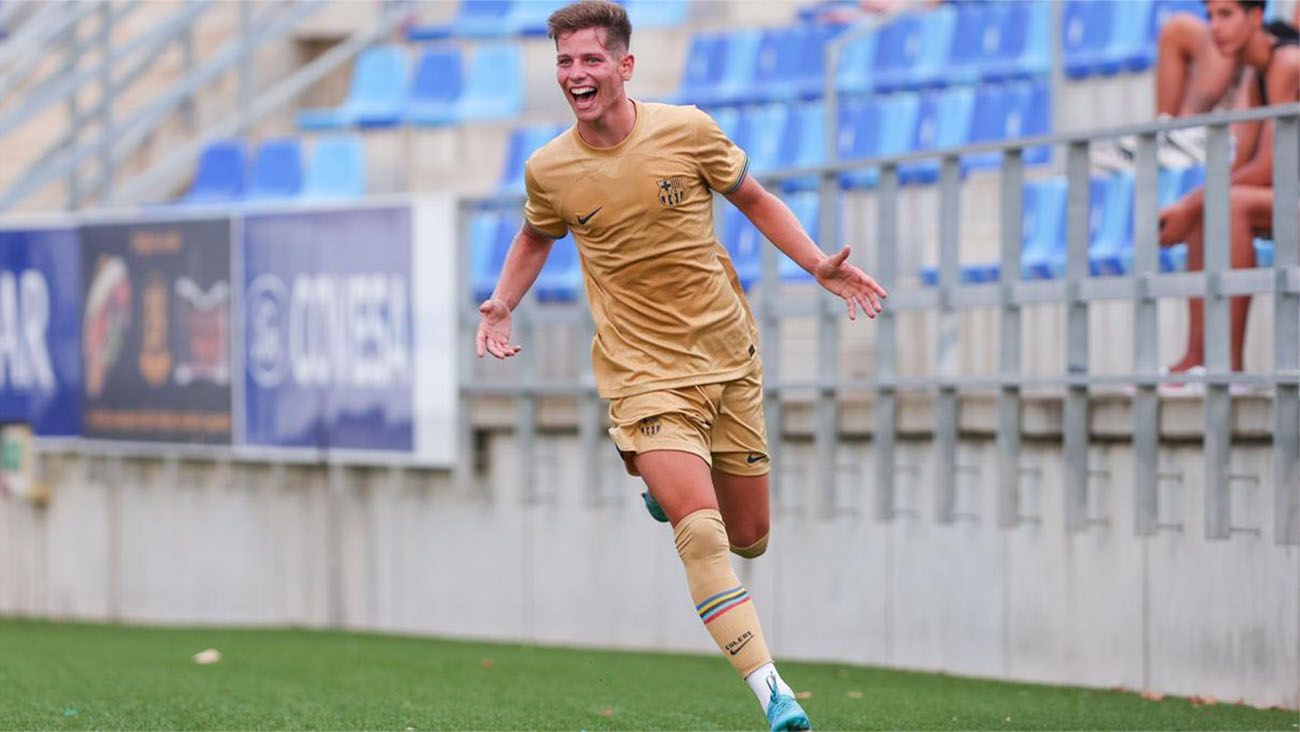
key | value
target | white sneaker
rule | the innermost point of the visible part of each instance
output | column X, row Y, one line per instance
column 1186, row 388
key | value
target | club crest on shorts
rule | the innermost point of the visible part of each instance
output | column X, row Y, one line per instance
column 650, row 426
column 671, row 191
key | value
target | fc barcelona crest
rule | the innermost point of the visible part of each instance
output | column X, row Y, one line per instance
column 671, row 191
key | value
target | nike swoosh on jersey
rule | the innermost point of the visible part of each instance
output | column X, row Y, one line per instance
column 582, row 220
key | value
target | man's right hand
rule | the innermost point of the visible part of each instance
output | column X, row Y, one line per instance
column 494, row 330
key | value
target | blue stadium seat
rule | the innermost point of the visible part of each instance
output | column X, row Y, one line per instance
column 810, row 80
column 738, row 84
column 975, row 41
column 474, row 19
column 523, row 142
column 377, row 94
column 1263, row 253
column 221, row 173
column 937, row 36
column 1008, row 112
column 1024, row 43
column 705, row 60
column 853, row 74
column 944, row 121
column 744, row 245
column 1110, row 249
column 490, row 235
column 277, row 171
column 494, row 87
column 780, row 64
column 729, row 121
column 337, row 169
column 436, row 87
column 806, row 207
column 656, row 13
column 1133, row 37
column 763, row 131
column 858, row 138
column 1042, row 254
column 1086, row 29
column 804, row 143
column 561, row 277
column 528, row 17
column 898, row 47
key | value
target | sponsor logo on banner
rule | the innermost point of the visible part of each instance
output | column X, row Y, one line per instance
column 328, row 354
column 156, row 331
column 40, row 294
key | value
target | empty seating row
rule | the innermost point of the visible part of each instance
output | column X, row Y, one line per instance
column 956, row 44
column 384, row 91
column 491, row 233
column 1106, row 37
column 497, row 18
column 336, row 170
column 1110, row 228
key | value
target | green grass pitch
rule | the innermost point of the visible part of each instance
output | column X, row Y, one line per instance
column 75, row 676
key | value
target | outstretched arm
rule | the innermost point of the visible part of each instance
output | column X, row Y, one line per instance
column 523, row 262
column 779, row 225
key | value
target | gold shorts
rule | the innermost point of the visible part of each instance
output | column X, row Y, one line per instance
column 722, row 423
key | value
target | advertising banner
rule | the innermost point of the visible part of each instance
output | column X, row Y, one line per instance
column 328, row 359
column 40, row 330
column 156, row 331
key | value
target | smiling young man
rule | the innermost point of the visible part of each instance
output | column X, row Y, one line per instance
column 1271, row 57
column 676, row 350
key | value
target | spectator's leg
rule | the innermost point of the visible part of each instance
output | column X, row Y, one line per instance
column 1191, row 75
column 1252, row 214
column 1194, row 355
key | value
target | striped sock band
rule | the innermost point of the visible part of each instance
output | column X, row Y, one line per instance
column 722, row 603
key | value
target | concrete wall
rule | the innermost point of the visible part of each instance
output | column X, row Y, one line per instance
column 172, row 541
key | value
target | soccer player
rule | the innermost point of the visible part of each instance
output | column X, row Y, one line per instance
column 1271, row 56
column 676, row 350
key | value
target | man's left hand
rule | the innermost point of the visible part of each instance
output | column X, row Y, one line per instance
column 851, row 284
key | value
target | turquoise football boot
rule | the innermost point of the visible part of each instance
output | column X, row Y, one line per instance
column 651, row 505
column 784, row 713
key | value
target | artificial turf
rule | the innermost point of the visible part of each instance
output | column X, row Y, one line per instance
column 77, row 676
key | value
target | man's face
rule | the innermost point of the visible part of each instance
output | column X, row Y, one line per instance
column 590, row 74
column 1230, row 25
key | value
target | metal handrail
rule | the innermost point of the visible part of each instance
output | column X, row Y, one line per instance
column 127, row 135
column 180, row 160
column 27, row 65
column 48, row 23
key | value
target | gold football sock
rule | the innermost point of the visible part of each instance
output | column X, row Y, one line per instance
column 722, row 602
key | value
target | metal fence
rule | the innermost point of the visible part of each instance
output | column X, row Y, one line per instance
column 1075, row 291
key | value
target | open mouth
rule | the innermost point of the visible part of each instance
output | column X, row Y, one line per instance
column 583, row 96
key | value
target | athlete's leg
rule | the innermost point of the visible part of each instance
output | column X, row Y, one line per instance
column 1194, row 354
column 683, row 485
column 744, row 503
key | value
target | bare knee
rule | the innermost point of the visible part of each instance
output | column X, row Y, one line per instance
column 749, row 540
column 1180, row 37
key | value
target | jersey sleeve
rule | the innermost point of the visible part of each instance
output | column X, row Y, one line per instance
column 539, row 214
column 722, row 164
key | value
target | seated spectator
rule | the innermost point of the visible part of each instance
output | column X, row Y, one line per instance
column 1270, row 54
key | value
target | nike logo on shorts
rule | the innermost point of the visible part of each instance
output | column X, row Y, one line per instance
column 755, row 458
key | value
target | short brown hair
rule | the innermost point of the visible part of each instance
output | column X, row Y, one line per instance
column 593, row 14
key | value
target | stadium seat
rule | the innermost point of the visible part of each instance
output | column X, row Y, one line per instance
column 738, row 83
column 853, row 72
column 944, row 121
column 221, row 173
column 780, row 64
column 1110, row 248
column 728, row 119
column 898, row 46
column 656, row 13
column 436, row 87
column 976, row 34
column 804, row 144
column 277, row 171
column 1263, row 253
column 806, row 207
column 376, row 97
column 858, row 138
column 523, row 142
column 702, row 73
column 1086, row 29
column 743, row 244
column 337, row 169
column 528, row 17
column 1024, row 43
column 561, row 277
column 937, row 34
column 763, row 131
column 494, row 87
column 474, row 19
column 488, row 230
column 1042, row 254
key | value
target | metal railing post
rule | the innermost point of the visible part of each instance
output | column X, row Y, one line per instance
column 1286, row 329
column 947, row 344
column 1218, row 403
column 1146, row 404
column 1074, row 425
column 1011, row 202
column 886, row 406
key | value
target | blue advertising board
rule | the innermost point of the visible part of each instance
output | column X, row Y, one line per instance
column 40, row 330
column 328, row 351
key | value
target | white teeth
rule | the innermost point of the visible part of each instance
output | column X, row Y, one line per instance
column 582, row 89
